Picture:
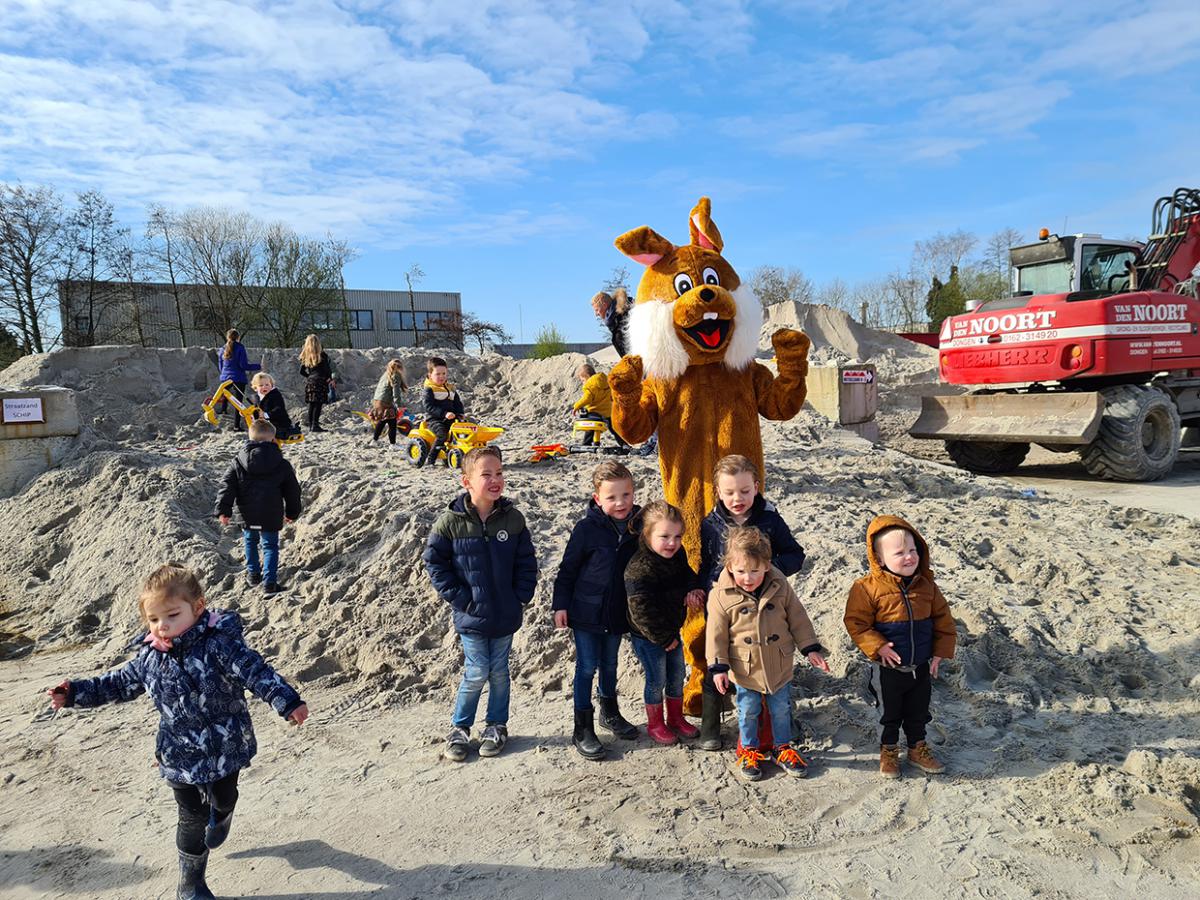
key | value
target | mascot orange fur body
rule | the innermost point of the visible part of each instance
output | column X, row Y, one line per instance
column 694, row 334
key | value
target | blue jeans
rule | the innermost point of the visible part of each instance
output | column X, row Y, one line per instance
column 592, row 652
column 749, row 707
column 269, row 567
column 486, row 662
column 663, row 668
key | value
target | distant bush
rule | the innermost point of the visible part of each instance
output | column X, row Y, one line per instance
column 548, row 342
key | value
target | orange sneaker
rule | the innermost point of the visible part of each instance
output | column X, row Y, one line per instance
column 922, row 757
column 750, row 763
column 889, row 760
column 790, row 761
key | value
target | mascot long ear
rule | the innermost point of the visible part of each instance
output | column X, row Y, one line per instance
column 644, row 245
column 703, row 230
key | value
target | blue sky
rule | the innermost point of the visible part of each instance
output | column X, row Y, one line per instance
column 503, row 145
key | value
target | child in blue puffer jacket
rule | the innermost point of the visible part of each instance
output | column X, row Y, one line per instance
column 196, row 667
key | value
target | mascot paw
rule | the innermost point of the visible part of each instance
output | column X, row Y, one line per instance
column 626, row 376
column 791, row 347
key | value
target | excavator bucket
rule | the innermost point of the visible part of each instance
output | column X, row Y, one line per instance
column 1065, row 418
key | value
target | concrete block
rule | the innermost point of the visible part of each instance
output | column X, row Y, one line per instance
column 28, row 449
column 848, row 395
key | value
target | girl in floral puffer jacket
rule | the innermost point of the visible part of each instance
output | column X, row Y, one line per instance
column 196, row 667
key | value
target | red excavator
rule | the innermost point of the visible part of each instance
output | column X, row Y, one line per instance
column 1096, row 351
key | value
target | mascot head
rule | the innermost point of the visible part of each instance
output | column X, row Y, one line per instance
column 691, row 307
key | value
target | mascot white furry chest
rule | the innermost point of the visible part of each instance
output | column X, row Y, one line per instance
column 693, row 333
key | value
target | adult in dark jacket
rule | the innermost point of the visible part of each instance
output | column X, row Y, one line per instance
column 195, row 665
column 317, row 371
column 234, row 366
column 786, row 553
column 613, row 311
column 589, row 598
column 263, row 485
column 481, row 561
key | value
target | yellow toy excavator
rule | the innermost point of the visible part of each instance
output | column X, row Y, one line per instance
column 248, row 411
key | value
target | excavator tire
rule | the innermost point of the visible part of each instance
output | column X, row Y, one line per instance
column 987, row 457
column 1139, row 435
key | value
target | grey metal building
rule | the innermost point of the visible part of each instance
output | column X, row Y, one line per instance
column 147, row 313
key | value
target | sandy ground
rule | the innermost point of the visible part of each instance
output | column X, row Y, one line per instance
column 1069, row 718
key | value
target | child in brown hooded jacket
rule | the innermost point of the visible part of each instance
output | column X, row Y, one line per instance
column 755, row 625
column 900, row 620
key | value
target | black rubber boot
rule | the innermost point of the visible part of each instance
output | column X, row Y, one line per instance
column 191, row 877
column 585, row 739
column 217, row 830
column 710, row 721
column 611, row 718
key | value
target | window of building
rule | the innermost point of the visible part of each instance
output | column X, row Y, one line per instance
column 362, row 320
column 81, row 323
column 399, row 321
column 325, row 320
column 402, row 320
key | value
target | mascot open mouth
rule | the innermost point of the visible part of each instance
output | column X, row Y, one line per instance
column 709, row 333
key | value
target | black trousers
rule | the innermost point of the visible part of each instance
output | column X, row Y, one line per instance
column 390, row 425
column 440, row 427
column 905, row 700
column 239, row 424
column 314, row 415
column 195, row 809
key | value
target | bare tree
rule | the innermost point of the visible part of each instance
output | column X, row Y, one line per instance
column 162, row 236
column 995, row 253
column 487, row 334
column 413, row 276
column 776, row 285
column 936, row 255
column 95, row 240
column 867, row 301
column 299, row 287
column 131, row 318
column 31, row 260
column 835, row 294
column 903, row 301
column 619, row 278
column 218, row 251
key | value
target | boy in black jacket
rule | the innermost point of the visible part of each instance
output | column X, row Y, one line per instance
column 443, row 406
column 272, row 405
column 589, row 598
column 738, row 502
column 267, row 493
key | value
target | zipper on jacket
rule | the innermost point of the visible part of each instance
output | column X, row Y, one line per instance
column 912, row 635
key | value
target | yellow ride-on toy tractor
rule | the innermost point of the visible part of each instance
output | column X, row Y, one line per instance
column 588, row 434
column 247, row 410
column 423, row 446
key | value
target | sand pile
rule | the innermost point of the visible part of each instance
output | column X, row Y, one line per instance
column 838, row 338
column 1070, row 714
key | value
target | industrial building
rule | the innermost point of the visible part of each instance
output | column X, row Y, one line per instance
column 104, row 313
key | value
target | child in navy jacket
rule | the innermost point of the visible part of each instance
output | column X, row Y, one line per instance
column 739, row 502
column 196, row 667
column 589, row 598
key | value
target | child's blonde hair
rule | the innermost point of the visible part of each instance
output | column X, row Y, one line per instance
column 261, row 430
column 173, row 582
column 310, row 356
column 475, row 457
column 748, row 544
column 610, row 470
column 658, row 511
column 601, row 302
column 734, row 464
column 259, row 378
column 395, row 370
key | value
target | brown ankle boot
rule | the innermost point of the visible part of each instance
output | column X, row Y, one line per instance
column 922, row 757
column 889, row 760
